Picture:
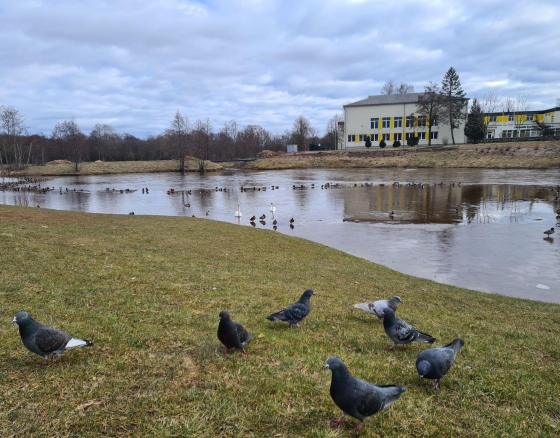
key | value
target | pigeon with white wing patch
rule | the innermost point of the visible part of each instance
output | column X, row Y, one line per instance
column 43, row 340
column 376, row 307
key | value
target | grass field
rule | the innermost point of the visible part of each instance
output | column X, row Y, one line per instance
column 147, row 291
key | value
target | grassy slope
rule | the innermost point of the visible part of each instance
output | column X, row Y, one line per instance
column 148, row 290
column 112, row 167
column 535, row 155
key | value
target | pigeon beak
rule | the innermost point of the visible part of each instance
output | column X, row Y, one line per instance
column 326, row 367
column 14, row 320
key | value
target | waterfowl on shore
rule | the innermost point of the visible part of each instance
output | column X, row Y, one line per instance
column 549, row 232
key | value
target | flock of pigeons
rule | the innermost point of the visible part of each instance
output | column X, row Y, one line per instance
column 355, row 397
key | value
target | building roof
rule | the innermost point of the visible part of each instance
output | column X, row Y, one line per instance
column 387, row 99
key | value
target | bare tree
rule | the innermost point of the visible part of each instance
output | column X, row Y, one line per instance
column 430, row 105
column 301, row 132
column 104, row 141
column 178, row 136
column 13, row 131
column 333, row 134
column 393, row 87
column 202, row 136
column 73, row 141
column 228, row 138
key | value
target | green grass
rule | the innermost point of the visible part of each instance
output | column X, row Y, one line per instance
column 147, row 290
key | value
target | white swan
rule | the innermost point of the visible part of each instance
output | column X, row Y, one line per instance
column 238, row 212
column 272, row 207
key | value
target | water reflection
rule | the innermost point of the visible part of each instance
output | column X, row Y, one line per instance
column 480, row 229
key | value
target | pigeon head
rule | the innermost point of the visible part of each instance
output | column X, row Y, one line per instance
column 22, row 318
column 423, row 367
column 334, row 364
column 396, row 299
column 224, row 315
column 388, row 312
column 307, row 294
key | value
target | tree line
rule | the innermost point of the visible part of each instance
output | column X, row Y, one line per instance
column 183, row 138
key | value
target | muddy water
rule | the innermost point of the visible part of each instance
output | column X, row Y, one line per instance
column 479, row 229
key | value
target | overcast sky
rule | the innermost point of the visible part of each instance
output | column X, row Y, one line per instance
column 133, row 64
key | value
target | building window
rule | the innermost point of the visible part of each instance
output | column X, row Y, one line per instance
column 510, row 117
column 490, row 134
column 433, row 135
column 421, row 120
column 350, row 137
column 409, row 135
column 410, row 121
column 530, row 117
column 422, row 135
column 374, row 123
column 434, row 121
column 397, row 136
column 397, row 122
column 386, row 122
column 492, row 119
column 386, row 137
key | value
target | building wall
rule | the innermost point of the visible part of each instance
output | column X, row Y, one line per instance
column 357, row 122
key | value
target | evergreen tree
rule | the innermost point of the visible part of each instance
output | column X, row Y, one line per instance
column 368, row 141
column 453, row 98
column 475, row 128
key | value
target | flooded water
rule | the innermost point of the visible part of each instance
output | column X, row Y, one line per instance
column 475, row 228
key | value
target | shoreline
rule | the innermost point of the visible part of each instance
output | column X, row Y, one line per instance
column 511, row 155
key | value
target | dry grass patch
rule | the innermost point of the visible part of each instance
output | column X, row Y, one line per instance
column 147, row 290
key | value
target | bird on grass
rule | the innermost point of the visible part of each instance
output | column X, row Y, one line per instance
column 232, row 334
column 358, row 398
column 294, row 313
column 43, row 340
column 549, row 232
column 376, row 307
column 435, row 363
column 401, row 332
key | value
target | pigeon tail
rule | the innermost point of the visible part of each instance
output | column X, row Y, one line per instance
column 392, row 393
column 75, row 342
column 455, row 345
column 424, row 337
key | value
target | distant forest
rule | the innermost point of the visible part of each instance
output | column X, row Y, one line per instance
column 199, row 139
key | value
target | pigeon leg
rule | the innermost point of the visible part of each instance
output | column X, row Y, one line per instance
column 359, row 427
column 436, row 386
column 42, row 364
column 225, row 351
column 391, row 347
column 337, row 423
column 244, row 352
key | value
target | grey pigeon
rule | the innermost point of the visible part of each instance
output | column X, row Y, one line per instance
column 294, row 313
column 376, row 307
column 356, row 397
column 435, row 363
column 43, row 340
column 401, row 332
column 232, row 334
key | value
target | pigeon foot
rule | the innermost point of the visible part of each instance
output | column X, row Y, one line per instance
column 244, row 352
column 359, row 427
column 337, row 423
column 225, row 352
column 436, row 386
column 390, row 348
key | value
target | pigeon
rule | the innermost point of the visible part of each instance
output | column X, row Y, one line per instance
column 435, row 363
column 376, row 307
column 356, row 397
column 401, row 332
column 232, row 334
column 45, row 341
column 549, row 232
column 294, row 313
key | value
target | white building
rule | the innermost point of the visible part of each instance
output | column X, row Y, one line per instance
column 394, row 117
column 523, row 124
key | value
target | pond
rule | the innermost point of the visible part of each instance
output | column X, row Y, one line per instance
column 480, row 229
